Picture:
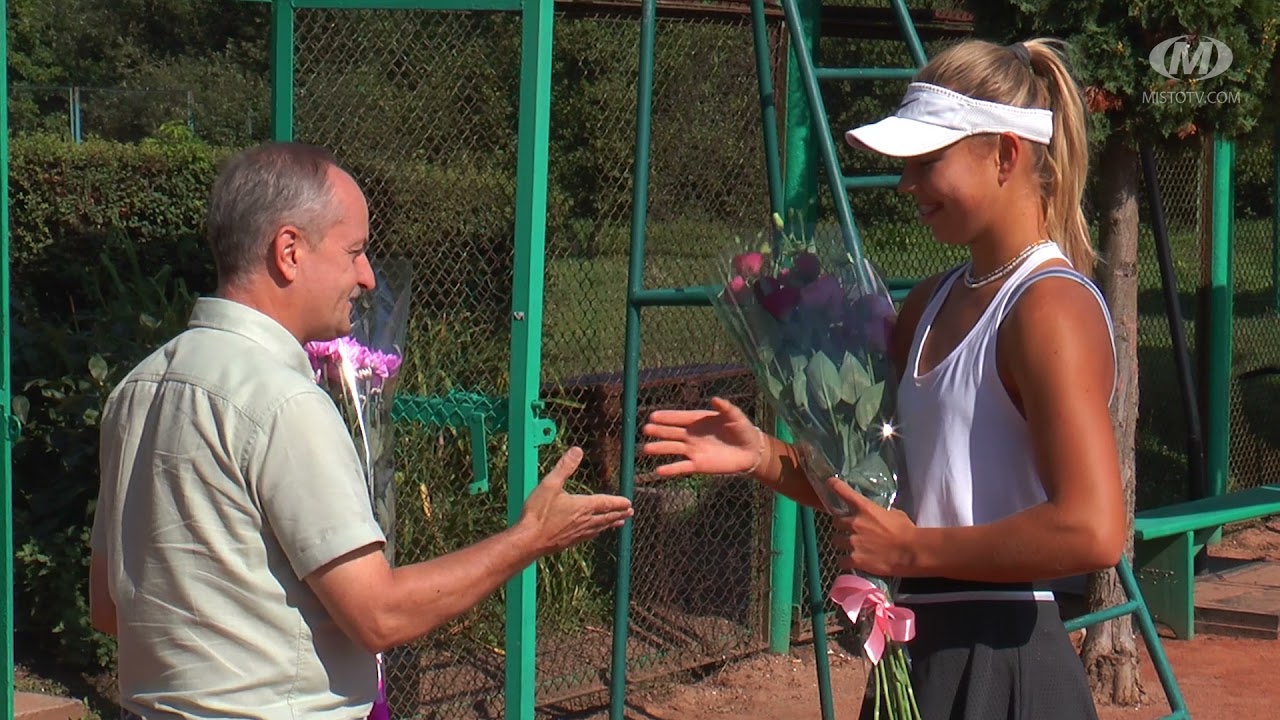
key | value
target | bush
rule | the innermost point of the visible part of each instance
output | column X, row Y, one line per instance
column 69, row 203
column 63, row 369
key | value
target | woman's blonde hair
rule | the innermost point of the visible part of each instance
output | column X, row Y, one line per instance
column 1037, row 77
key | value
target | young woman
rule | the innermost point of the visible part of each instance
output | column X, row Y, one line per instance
column 1007, row 370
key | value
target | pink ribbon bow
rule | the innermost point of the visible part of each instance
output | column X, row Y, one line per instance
column 853, row 593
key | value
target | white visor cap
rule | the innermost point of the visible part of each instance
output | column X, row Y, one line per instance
column 932, row 117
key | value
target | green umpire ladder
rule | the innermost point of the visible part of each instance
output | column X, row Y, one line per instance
column 807, row 126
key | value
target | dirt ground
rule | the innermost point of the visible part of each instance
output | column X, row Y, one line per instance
column 1220, row 677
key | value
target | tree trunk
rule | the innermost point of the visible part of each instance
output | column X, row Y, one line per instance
column 1110, row 650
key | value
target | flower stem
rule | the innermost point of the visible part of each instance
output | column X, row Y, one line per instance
column 879, row 671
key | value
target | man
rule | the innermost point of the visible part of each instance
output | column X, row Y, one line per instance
column 235, row 552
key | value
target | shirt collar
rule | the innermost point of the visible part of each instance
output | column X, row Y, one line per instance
column 230, row 316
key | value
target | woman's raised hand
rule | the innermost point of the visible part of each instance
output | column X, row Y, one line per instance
column 718, row 441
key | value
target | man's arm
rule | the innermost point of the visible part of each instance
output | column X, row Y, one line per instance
column 102, row 610
column 380, row 607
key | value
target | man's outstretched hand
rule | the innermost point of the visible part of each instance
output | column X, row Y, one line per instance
column 558, row 520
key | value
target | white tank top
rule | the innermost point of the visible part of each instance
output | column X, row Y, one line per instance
column 968, row 453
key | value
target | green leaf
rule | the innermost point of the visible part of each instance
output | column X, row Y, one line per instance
column 800, row 391
column 854, row 379
column 21, row 407
column 148, row 321
column 868, row 406
column 798, row 363
column 774, row 386
column 854, row 446
column 98, row 368
column 764, row 352
column 824, row 381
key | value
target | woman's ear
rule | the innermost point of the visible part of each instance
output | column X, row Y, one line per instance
column 1009, row 153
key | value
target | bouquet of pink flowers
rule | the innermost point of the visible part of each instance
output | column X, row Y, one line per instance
column 361, row 372
column 815, row 332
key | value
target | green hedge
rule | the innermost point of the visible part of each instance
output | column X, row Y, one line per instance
column 70, row 203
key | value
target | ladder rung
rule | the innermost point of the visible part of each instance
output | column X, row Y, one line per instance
column 862, row 182
column 674, row 297
column 1102, row 616
column 828, row 73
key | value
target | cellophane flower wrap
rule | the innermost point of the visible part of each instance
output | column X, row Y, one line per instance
column 814, row 328
column 361, row 371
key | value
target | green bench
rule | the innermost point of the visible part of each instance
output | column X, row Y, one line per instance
column 1167, row 539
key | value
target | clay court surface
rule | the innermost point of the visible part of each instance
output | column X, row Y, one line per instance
column 1222, row 678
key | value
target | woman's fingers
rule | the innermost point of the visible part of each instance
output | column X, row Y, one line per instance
column 665, row 432
column 664, row 447
column 681, row 418
column 728, row 409
column 682, row 467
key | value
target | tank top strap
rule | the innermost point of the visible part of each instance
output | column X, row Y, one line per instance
column 1075, row 275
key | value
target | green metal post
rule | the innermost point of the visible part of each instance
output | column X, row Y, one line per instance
column 902, row 14
column 783, row 526
column 533, row 136
column 768, row 106
column 281, row 70
column 818, row 611
column 7, row 424
column 800, row 188
column 1275, row 220
column 1221, row 291
column 801, row 180
column 782, row 568
column 631, row 358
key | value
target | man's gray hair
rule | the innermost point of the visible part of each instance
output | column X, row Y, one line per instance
column 260, row 190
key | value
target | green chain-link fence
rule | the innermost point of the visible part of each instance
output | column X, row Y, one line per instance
column 421, row 105
column 1161, row 428
column 1255, row 423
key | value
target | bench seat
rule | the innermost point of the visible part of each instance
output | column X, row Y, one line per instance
column 1167, row 540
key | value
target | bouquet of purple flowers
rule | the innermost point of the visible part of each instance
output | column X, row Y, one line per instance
column 815, row 332
column 361, row 372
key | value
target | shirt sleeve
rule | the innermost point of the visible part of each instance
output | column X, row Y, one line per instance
column 311, row 485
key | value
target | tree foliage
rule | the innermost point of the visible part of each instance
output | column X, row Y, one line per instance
column 1111, row 41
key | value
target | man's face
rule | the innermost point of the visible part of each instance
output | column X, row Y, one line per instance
column 337, row 270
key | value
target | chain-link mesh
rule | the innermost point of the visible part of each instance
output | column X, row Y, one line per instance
column 422, row 107
column 234, row 115
column 1162, row 421
column 1187, row 192
column 699, row 554
column 1255, row 389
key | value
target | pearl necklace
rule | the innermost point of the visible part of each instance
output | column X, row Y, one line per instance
column 999, row 273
